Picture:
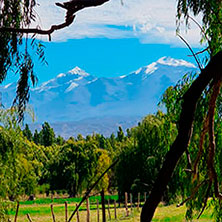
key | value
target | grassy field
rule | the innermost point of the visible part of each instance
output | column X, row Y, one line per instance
column 41, row 212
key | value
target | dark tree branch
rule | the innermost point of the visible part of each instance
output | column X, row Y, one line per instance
column 71, row 7
column 200, row 52
column 75, row 5
column 199, row 26
column 211, row 169
column 192, row 194
column 190, row 99
column 205, row 200
column 39, row 31
column 194, row 55
column 201, row 142
column 91, row 188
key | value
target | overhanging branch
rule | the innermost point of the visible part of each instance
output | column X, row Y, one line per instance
column 48, row 32
column 72, row 7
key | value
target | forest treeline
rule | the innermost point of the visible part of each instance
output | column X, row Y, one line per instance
column 41, row 162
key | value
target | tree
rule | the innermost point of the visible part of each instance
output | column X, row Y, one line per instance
column 36, row 137
column 19, row 167
column 185, row 124
column 209, row 77
column 103, row 163
column 16, row 14
column 194, row 170
column 48, row 135
column 73, row 167
column 146, row 148
column 27, row 132
column 120, row 134
column 60, row 140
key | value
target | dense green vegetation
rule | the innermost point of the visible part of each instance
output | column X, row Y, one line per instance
column 55, row 164
column 43, row 163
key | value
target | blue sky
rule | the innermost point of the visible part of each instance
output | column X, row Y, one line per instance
column 103, row 56
column 113, row 39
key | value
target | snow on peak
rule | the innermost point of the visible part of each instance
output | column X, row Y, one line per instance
column 151, row 68
column 138, row 71
column 174, row 62
column 71, row 87
column 60, row 75
column 147, row 69
column 78, row 71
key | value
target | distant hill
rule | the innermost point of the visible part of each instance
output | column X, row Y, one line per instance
column 105, row 126
column 77, row 102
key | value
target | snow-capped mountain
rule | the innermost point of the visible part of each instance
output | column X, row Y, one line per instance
column 77, row 95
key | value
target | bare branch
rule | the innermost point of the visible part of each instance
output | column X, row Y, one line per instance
column 205, row 201
column 91, row 188
column 29, row 218
column 204, row 33
column 188, row 170
column 201, row 142
column 197, row 60
column 75, row 5
column 200, row 52
column 210, row 163
column 192, row 194
column 189, row 163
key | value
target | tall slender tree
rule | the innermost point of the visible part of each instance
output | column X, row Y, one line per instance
column 48, row 135
column 27, row 132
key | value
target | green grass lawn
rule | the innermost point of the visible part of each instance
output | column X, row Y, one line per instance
column 41, row 212
column 62, row 200
column 173, row 213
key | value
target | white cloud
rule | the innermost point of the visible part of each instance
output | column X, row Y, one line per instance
column 152, row 21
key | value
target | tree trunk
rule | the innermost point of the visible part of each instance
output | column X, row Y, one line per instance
column 103, row 206
column 212, row 71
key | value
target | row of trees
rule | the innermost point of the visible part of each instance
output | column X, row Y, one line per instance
column 30, row 161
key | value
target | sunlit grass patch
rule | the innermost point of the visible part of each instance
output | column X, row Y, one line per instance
column 42, row 213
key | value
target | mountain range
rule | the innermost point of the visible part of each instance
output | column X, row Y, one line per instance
column 77, row 102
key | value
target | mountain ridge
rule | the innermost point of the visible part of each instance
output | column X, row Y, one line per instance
column 76, row 95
